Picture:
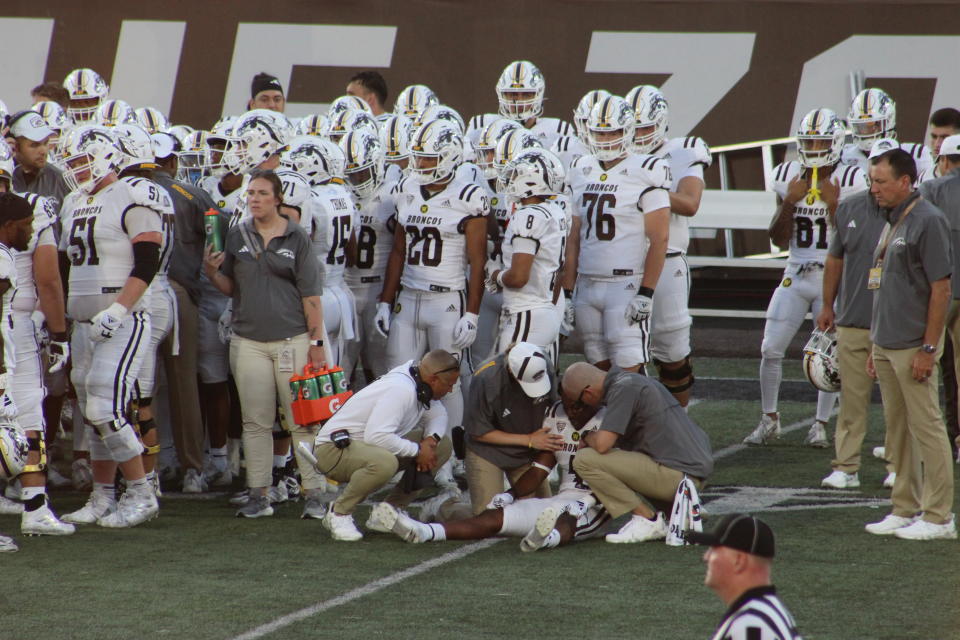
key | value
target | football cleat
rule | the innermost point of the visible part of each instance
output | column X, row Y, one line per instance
column 546, row 522
column 134, row 508
column 98, row 506
column 767, row 430
column 43, row 522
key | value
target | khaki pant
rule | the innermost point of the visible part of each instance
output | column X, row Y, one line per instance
column 185, row 420
column 485, row 480
column 953, row 334
column 916, row 430
column 621, row 479
column 853, row 348
column 262, row 387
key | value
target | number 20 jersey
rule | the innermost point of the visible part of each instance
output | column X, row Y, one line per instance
column 812, row 228
column 611, row 204
column 434, row 227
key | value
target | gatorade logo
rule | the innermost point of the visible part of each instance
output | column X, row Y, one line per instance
column 335, row 405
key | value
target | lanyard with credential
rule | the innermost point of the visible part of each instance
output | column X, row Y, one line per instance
column 873, row 281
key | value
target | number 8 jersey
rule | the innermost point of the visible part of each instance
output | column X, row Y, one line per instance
column 812, row 228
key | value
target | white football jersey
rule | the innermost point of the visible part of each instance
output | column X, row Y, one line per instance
column 549, row 129
column 469, row 172
column 97, row 236
column 225, row 202
column 8, row 272
column 812, row 229
column 500, row 210
column 329, row 224
column 434, row 227
column 392, row 173
column 852, row 155
column 540, row 229
column 612, row 203
column 556, row 421
column 568, row 149
column 687, row 157
column 375, row 224
column 165, row 208
column 44, row 220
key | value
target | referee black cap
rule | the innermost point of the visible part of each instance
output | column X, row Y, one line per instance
column 738, row 531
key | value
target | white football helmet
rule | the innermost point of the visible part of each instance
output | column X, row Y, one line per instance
column 582, row 111
column 319, row 160
column 612, row 115
column 435, row 152
column 820, row 361
column 53, row 114
column 535, row 172
column 113, row 112
column 652, row 114
column 87, row 91
column 6, row 164
column 216, row 144
column 14, row 450
column 364, row 168
column 152, row 120
column 510, row 145
column 90, row 154
column 347, row 121
column 192, row 161
column 313, row 125
column 296, row 188
column 135, row 145
column 395, row 134
column 520, row 91
column 348, row 103
column 253, row 140
column 180, row 131
column 486, row 144
column 872, row 116
column 439, row 112
column 4, row 114
column 820, row 138
column 414, row 100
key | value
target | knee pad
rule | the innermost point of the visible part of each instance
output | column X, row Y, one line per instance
column 144, row 428
column 98, row 450
column 676, row 379
column 120, row 440
column 35, row 443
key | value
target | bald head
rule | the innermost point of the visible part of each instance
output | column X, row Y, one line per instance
column 580, row 375
column 437, row 361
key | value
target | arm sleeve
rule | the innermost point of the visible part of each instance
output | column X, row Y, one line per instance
column 478, row 416
column 309, row 282
column 436, row 420
column 619, row 410
column 836, row 242
column 934, row 249
column 383, row 426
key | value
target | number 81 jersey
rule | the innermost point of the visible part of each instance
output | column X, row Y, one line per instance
column 812, row 228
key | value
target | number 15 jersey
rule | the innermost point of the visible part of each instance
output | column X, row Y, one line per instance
column 434, row 227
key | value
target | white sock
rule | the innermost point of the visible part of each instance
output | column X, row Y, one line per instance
column 218, row 456
column 437, row 531
column 106, row 490
column 140, row 486
column 552, row 540
column 29, row 492
column 279, row 462
column 825, row 402
column 771, row 371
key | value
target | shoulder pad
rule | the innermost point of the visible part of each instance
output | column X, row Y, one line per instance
column 652, row 169
column 474, row 196
column 852, row 180
column 784, row 172
column 147, row 193
column 699, row 148
column 564, row 128
column 44, row 210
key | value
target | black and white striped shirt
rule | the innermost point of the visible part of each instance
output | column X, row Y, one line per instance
column 758, row 614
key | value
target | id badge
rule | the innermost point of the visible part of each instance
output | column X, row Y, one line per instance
column 873, row 279
column 285, row 361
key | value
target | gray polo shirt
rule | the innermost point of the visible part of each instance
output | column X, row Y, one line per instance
column 496, row 401
column 944, row 193
column 268, row 291
column 650, row 420
column 859, row 223
column 47, row 182
column 917, row 255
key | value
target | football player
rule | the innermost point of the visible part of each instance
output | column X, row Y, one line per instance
column 413, row 100
column 570, row 147
column 687, row 158
column 87, row 91
column 114, row 112
column 520, row 92
column 619, row 254
column 395, row 133
column 872, row 117
column 574, row 513
column 112, row 238
column 809, row 192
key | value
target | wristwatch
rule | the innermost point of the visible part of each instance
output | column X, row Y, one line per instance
column 928, row 348
column 316, row 343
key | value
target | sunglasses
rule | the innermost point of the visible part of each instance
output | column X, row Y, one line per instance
column 579, row 404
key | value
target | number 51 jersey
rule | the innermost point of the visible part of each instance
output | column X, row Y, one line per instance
column 434, row 227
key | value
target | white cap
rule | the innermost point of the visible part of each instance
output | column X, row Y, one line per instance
column 30, row 125
column 164, row 145
column 529, row 365
column 950, row 145
column 883, row 145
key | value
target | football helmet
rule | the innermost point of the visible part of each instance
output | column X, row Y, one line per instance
column 347, row 121
column 395, row 134
column 820, row 364
column 319, row 160
column 435, row 152
column 612, row 115
column 253, row 140
column 180, row 131
column 414, row 100
column 113, row 112
column 135, row 145
column 296, row 188
column 216, row 144
column 364, row 168
column 4, row 114
column 90, row 154
column 535, row 172
column 872, row 116
column 53, row 114
column 520, row 91
column 192, row 163
column 313, row 125
column 510, row 145
column 582, row 111
column 14, row 450
column 6, row 164
column 87, row 91
column 440, row 112
column 820, row 138
column 152, row 120
column 348, row 103
column 652, row 114
column 487, row 143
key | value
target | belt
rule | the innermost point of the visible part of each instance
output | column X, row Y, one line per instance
column 674, row 254
column 809, row 266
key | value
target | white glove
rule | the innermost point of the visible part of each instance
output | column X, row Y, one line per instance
column 638, row 309
column 569, row 317
column 8, row 409
column 106, row 323
column 40, row 329
column 465, row 332
column 58, row 353
column 382, row 320
column 493, row 285
column 500, row 500
column 225, row 323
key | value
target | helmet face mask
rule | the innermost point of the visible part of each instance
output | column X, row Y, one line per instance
column 435, row 153
column 395, row 134
column 582, row 112
column 820, row 138
column 820, row 364
column 90, row 155
column 254, row 140
column 87, row 91
column 872, row 116
column 610, row 129
column 193, row 160
column 520, row 90
column 363, row 169
column 487, row 143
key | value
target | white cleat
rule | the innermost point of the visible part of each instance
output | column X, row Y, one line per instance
column 133, row 509
column 817, row 436
column 430, row 508
column 10, row 507
column 841, row 480
column 7, row 545
column 546, row 522
column 399, row 523
column 889, row 481
column 97, row 506
column 767, row 430
column 193, row 482
column 640, row 529
column 43, row 522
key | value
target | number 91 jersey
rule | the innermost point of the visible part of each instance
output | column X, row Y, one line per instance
column 612, row 203
column 812, row 228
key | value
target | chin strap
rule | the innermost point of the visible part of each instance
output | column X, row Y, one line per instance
column 814, row 193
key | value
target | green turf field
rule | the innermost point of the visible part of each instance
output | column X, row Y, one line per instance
column 198, row 572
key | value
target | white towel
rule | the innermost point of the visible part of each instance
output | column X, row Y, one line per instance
column 685, row 515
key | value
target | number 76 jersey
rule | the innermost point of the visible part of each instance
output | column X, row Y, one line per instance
column 812, row 228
